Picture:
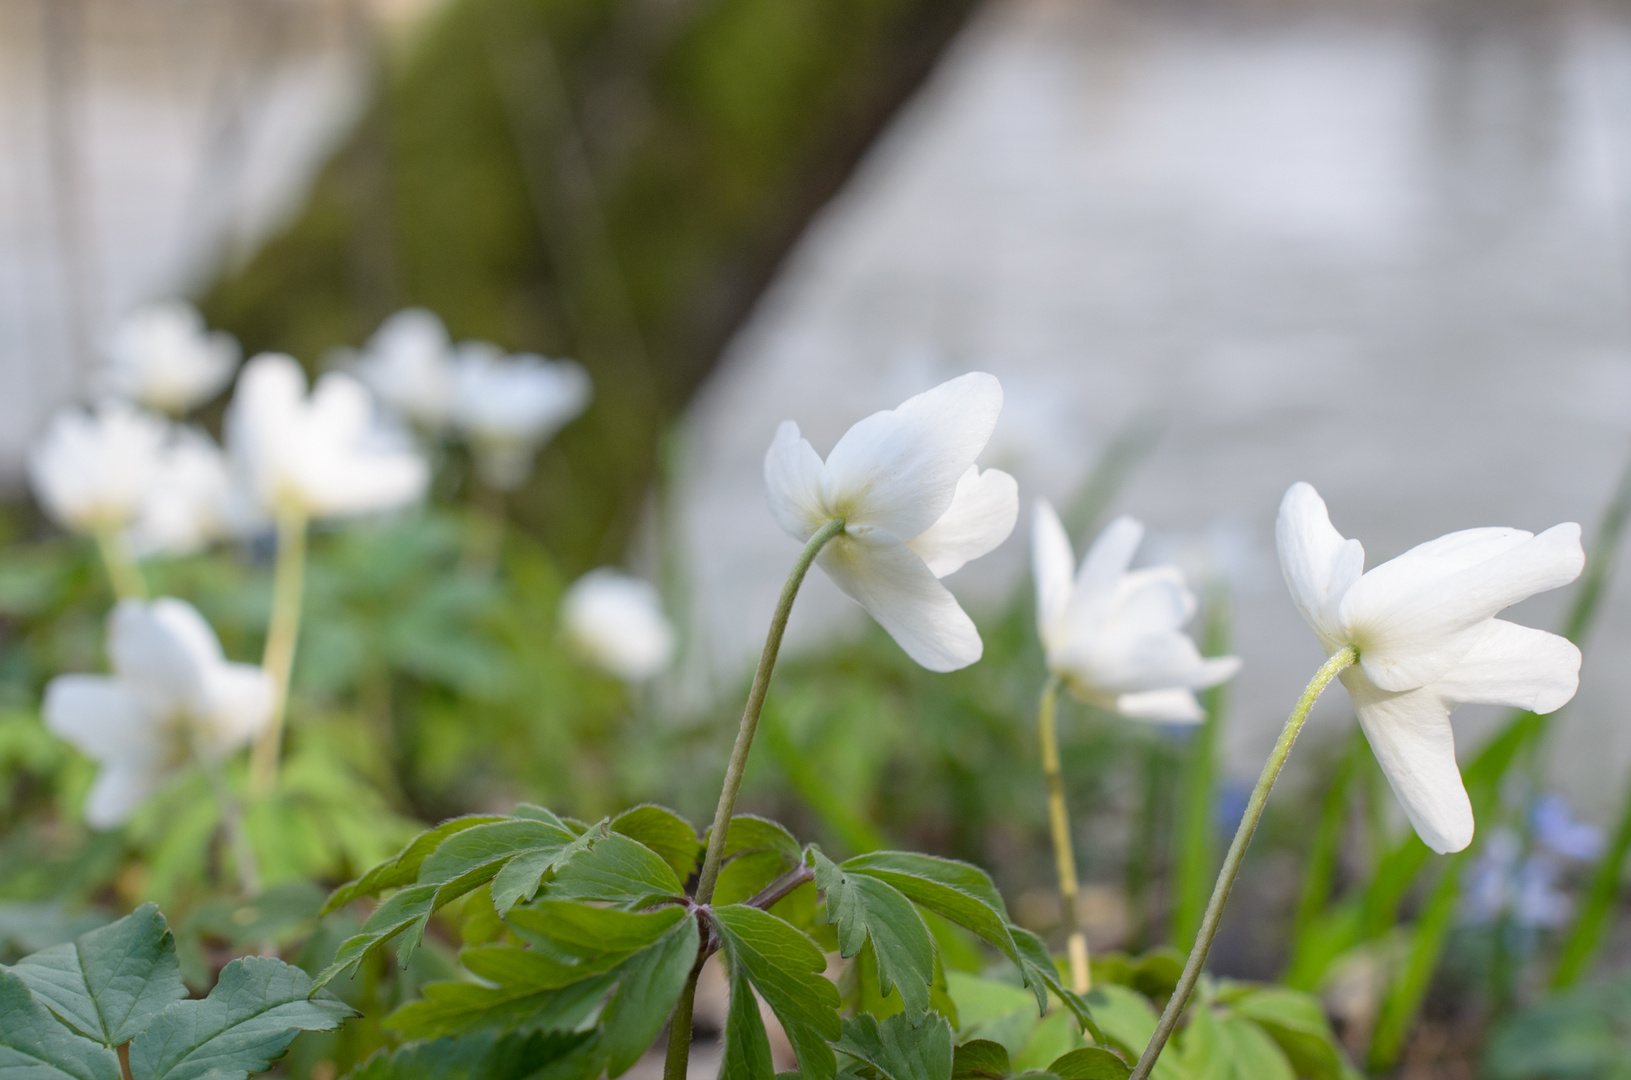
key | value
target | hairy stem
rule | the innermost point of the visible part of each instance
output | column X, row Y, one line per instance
column 1064, row 858
column 679, row 1035
column 1231, row 861
column 283, row 630
column 779, row 889
column 123, row 573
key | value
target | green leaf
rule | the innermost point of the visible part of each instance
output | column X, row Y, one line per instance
column 484, row 1056
column 757, row 851
column 747, row 1047
column 34, row 1046
column 860, row 906
column 1127, row 1019
column 958, row 891
column 749, row 832
column 520, row 878
column 785, row 967
column 615, row 869
column 980, row 1059
column 1296, row 1022
column 403, row 867
column 1042, row 976
column 588, row 931
column 108, row 983
column 257, row 1008
column 457, row 1008
column 897, row 1048
column 412, row 906
column 649, row 986
column 1090, row 1063
column 664, row 832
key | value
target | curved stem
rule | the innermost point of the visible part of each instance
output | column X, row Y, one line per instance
column 282, row 631
column 1064, row 857
column 123, row 573
column 756, row 703
column 679, row 1033
column 1231, row 861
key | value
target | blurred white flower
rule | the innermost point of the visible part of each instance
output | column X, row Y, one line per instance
column 915, row 508
column 92, row 472
column 317, row 456
column 509, row 406
column 192, row 502
column 163, row 356
column 171, row 694
column 408, row 364
column 617, row 623
column 1425, row 628
column 1115, row 635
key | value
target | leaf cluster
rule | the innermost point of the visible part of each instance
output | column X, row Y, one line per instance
column 74, row 1010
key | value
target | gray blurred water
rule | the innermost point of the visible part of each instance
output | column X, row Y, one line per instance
column 1379, row 247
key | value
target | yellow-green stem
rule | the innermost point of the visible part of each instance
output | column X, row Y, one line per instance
column 1231, row 861
column 123, row 573
column 282, row 632
column 679, row 1036
column 484, row 540
column 1064, row 857
column 243, row 852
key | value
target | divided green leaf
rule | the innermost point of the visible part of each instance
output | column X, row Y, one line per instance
column 980, row 1059
column 1090, row 1063
column 109, row 983
column 757, row 851
column 785, row 967
column 484, row 1056
column 34, row 1046
column 664, row 832
column 403, row 867
column 899, row 1050
column 257, row 1007
column 747, row 1046
column 860, row 906
column 616, row 869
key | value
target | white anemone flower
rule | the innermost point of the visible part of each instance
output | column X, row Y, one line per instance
column 163, row 356
column 509, row 406
column 92, row 472
column 915, row 508
column 172, row 695
column 617, row 623
column 408, row 364
column 193, row 501
column 1425, row 630
column 1113, row 635
column 319, row 456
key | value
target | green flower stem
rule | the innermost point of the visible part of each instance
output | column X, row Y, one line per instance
column 679, row 1033
column 243, row 851
column 123, row 573
column 1064, row 857
column 1231, row 861
column 282, row 631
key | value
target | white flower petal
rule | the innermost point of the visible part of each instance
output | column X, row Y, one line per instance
column 896, row 588
column 1173, row 706
column 1517, row 666
column 99, row 715
column 982, row 514
column 1410, row 735
column 1102, row 567
column 1051, row 562
column 163, row 652
column 897, row 470
column 236, row 707
column 1414, row 619
column 616, row 621
column 118, row 790
column 794, row 482
column 1319, row 565
column 1152, row 601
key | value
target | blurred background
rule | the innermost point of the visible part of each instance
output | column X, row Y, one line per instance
column 1210, row 248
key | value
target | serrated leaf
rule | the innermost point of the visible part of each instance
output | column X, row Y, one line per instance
column 35, row 1046
column 483, row 1056
column 958, row 891
column 649, row 986
column 618, row 870
column 457, row 1008
column 1090, row 1063
column 586, row 930
column 1042, row 976
column 859, row 907
column 108, row 983
column 980, row 1059
column 747, row 1047
column 785, row 967
column 666, row 833
column 521, row 877
column 257, row 1007
column 410, row 907
column 899, row 1049
column 403, row 867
